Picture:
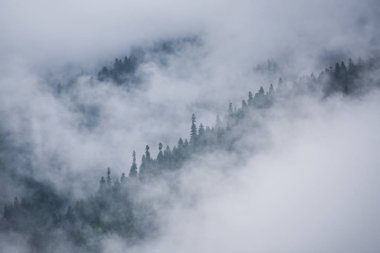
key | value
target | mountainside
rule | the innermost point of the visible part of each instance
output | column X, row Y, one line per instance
column 118, row 207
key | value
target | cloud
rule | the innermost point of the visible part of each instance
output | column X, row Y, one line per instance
column 311, row 183
column 315, row 189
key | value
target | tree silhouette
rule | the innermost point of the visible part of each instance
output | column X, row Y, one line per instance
column 133, row 169
column 109, row 177
column 193, row 131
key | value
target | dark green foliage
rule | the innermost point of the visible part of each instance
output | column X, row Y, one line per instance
column 347, row 80
column 121, row 71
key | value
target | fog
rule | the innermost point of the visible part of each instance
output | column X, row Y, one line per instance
column 314, row 190
column 304, row 181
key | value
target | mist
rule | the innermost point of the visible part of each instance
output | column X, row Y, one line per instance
column 301, row 176
column 299, row 195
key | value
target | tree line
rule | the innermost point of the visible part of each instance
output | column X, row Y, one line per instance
column 45, row 213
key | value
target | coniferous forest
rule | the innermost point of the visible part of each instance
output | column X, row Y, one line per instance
column 113, row 208
column 200, row 126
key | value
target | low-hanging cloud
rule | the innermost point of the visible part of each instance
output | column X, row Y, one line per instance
column 315, row 189
column 308, row 186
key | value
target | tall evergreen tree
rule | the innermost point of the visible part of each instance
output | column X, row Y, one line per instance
column 343, row 68
column 167, row 152
column 261, row 91
column 230, row 110
column 271, row 89
column 147, row 154
column 250, row 98
column 143, row 167
column 193, row 131
column 102, row 184
column 180, row 143
column 218, row 122
column 351, row 67
column 108, row 176
column 243, row 105
column 168, row 157
column 201, row 130
column 133, row 170
column 123, row 178
column 160, row 155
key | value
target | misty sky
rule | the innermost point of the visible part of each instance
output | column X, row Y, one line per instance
column 311, row 187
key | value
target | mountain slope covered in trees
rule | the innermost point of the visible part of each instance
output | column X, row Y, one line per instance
column 45, row 216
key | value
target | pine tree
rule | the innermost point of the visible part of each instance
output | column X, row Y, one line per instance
column 343, row 68
column 193, row 131
column 167, row 152
column 244, row 105
column 123, row 178
column 143, row 167
column 261, row 91
column 108, row 176
column 280, row 86
column 160, row 156
column 180, row 143
column 145, row 164
column 201, row 130
column 230, row 110
column 133, row 170
column 102, row 184
column 271, row 89
column 167, row 157
column 147, row 154
column 250, row 98
column 351, row 67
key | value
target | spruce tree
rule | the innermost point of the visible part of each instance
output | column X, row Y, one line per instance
column 244, row 104
column 167, row 157
column 250, row 98
column 351, row 67
column 108, row 176
column 143, row 167
column 102, row 184
column 147, row 154
column 261, row 91
column 160, row 156
column 218, row 122
column 180, row 143
column 122, row 178
column 230, row 110
column 193, row 131
column 167, row 152
column 201, row 130
column 133, row 170
column 271, row 89
column 343, row 68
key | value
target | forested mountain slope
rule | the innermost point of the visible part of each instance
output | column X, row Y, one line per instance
column 44, row 216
